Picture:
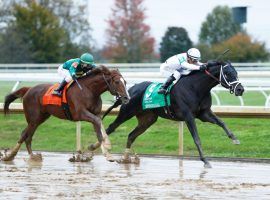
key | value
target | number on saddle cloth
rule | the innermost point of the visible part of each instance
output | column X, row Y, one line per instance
column 152, row 99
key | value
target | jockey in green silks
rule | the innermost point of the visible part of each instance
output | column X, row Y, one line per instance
column 72, row 69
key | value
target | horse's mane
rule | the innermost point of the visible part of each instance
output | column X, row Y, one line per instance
column 210, row 64
column 99, row 70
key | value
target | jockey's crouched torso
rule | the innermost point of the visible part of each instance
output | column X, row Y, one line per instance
column 178, row 63
column 72, row 69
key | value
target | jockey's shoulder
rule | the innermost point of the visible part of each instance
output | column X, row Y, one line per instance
column 71, row 62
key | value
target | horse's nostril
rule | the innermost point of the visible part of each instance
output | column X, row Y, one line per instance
column 125, row 100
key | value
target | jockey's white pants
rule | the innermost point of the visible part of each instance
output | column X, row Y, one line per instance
column 166, row 72
column 64, row 74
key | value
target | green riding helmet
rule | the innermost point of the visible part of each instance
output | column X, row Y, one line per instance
column 87, row 58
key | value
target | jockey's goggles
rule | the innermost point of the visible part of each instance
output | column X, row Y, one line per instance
column 85, row 65
column 193, row 60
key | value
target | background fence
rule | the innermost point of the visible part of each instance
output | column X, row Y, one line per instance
column 255, row 77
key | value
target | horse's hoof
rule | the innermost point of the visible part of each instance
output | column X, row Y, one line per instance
column 124, row 161
column 7, row 158
column 36, row 157
column 207, row 165
column 236, row 141
column 91, row 147
column 136, row 159
column 81, row 157
column 110, row 158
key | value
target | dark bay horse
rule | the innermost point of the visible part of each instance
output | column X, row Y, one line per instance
column 190, row 99
column 85, row 105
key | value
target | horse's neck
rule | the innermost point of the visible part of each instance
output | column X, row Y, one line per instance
column 206, row 82
column 96, row 83
column 209, row 82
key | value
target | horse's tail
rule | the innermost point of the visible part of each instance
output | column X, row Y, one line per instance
column 13, row 96
column 115, row 105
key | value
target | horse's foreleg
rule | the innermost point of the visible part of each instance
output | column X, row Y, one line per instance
column 145, row 120
column 189, row 119
column 126, row 112
column 209, row 116
column 103, row 138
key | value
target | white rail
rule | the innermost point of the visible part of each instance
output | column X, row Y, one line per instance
column 252, row 81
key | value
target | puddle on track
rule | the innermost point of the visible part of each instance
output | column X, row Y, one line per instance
column 153, row 178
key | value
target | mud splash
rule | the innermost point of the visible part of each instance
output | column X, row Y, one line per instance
column 81, row 157
column 154, row 178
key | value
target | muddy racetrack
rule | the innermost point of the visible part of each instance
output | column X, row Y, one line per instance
column 153, row 178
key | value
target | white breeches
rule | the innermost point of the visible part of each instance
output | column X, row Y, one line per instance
column 64, row 74
column 166, row 72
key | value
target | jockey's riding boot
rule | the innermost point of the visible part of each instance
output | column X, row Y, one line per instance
column 58, row 91
column 164, row 87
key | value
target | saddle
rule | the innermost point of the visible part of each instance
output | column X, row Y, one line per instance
column 50, row 99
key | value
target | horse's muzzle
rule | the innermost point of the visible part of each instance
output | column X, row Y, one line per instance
column 124, row 99
column 239, row 90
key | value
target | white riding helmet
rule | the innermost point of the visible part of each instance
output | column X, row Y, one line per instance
column 194, row 54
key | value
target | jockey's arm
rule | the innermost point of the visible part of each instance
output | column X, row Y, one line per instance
column 72, row 69
column 186, row 65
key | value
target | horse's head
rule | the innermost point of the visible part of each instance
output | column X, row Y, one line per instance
column 117, row 85
column 229, row 79
column 227, row 74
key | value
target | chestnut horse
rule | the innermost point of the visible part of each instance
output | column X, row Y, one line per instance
column 84, row 105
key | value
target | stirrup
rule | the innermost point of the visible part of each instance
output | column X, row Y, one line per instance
column 162, row 91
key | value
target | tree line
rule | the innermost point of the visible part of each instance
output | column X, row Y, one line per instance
column 51, row 31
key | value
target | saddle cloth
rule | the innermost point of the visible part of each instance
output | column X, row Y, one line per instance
column 49, row 99
column 152, row 99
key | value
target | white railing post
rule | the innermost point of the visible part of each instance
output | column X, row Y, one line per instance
column 181, row 138
column 78, row 136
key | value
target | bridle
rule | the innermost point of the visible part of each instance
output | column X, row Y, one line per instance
column 111, row 88
column 229, row 85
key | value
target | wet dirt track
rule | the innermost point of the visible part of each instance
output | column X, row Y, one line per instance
column 153, row 178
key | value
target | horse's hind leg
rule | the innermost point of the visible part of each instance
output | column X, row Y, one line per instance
column 209, row 116
column 145, row 120
column 30, row 133
column 34, row 119
column 28, row 130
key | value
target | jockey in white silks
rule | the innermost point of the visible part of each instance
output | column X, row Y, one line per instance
column 180, row 64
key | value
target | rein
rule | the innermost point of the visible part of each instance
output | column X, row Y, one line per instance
column 111, row 88
column 228, row 85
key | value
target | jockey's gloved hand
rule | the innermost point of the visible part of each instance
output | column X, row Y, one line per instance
column 203, row 67
column 74, row 77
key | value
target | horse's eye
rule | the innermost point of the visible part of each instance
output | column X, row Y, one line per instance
column 117, row 82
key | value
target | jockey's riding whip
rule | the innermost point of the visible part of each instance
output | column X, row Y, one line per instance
column 226, row 51
column 78, row 84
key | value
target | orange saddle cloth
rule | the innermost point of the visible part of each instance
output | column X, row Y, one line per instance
column 49, row 99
